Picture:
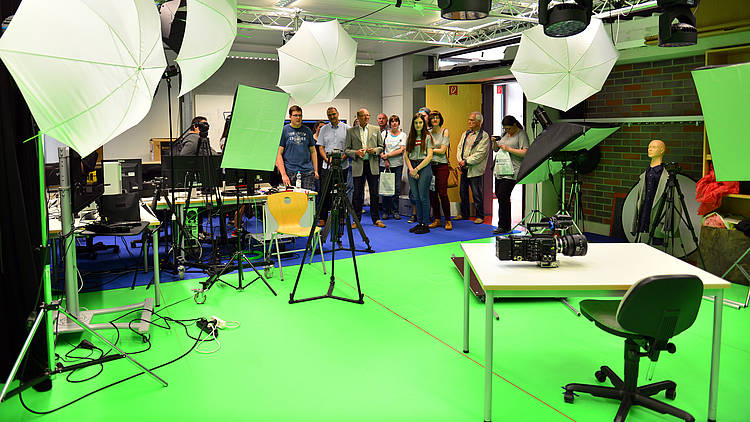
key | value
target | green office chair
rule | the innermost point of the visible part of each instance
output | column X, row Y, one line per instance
column 652, row 311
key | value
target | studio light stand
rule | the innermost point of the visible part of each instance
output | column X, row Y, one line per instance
column 666, row 212
column 239, row 256
column 535, row 215
column 334, row 185
column 48, row 309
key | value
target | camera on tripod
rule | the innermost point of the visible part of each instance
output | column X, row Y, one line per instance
column 334, row 158
column 672, row 167
column 542, row 247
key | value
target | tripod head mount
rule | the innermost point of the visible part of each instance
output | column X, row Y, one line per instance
column 334, row 158
column 672, row 168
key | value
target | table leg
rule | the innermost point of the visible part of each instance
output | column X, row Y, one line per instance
column 713, row 390
column 467, row 270
column 144, row 248
column 488, row 314
column 157, row 289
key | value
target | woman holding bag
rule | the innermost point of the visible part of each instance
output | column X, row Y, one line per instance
column 391, row 160
column 510, row 149
column 417, row 157
column 440, row 169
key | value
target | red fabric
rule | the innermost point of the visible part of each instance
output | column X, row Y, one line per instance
column 709, row 192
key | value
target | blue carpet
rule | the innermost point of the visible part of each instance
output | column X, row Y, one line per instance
column 110, row 270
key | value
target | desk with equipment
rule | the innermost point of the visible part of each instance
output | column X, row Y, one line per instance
column 77, row 190
column 230, row 199
column 596, row 274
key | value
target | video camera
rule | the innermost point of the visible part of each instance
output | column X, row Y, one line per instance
column 542, row 247
column 334, row 158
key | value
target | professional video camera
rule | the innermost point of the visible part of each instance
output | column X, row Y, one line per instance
column 542, row 247
column 334, row 158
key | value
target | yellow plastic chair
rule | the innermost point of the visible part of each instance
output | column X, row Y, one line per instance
column 287, row 208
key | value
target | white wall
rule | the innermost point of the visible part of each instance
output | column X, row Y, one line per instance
column 135, row 142
column 363, row 91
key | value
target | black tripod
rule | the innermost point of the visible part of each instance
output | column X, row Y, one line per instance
column 666, row 214
column 342, row 210
column 239, row 256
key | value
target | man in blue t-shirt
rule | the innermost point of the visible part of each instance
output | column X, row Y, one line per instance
column 297, row 154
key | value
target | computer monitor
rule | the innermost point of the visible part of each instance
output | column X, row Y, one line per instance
column 119, row 208
column 86, row 180
column 246, row 179
column 192, row 168
column 132, row 175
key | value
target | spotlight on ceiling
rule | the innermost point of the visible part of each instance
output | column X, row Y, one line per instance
column 677, row 23
column 464, row 9
column 565, row 19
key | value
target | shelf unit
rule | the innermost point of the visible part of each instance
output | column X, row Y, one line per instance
column 733, row 203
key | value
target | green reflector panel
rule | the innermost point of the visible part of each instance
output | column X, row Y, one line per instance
column 724, row 93
column 255, row 130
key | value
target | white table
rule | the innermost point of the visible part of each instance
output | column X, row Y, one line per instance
column 608, row 269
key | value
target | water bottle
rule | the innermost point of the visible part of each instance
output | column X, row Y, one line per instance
column 298, row 183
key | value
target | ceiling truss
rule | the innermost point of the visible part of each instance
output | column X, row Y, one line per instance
column 512, row 17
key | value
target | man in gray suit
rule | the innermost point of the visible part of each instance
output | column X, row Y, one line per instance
column 364, row 144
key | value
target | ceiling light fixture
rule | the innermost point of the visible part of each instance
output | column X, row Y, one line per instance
column 677, row 24
column 464, row 9
column 284, row 3
column 565, row 19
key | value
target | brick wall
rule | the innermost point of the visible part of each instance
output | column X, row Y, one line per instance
column 650, row 89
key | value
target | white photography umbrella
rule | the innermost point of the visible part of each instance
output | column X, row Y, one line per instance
column 210, row 30
column 562, row 72
column 93, row 79
column 317, row 63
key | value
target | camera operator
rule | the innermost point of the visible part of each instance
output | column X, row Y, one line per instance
column 191, row 145
column 332, row 137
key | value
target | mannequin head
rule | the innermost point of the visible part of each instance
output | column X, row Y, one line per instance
column 656, row 149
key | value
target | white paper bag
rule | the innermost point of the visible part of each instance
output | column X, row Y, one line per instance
column 387, row 185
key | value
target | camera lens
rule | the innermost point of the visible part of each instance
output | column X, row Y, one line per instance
column 572, row 245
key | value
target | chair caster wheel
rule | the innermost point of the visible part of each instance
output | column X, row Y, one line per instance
column 600, row 376
column 670, row 393
column 267, row 272
column 568, row 397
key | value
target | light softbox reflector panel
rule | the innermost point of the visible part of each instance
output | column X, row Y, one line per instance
column 724, row 93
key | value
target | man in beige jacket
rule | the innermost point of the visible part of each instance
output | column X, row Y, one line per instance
column 364, row 143
column 471, row 154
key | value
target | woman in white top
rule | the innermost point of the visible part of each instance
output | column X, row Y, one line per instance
column 440, row 169
column 417, row 158
column 515, row 142
column 391, row 159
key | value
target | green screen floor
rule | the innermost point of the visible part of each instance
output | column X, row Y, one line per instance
column 394, row 358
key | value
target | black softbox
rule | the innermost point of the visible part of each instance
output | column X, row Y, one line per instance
column 559, row 142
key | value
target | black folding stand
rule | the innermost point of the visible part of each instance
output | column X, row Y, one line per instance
column 334, row 184
column 239, row 256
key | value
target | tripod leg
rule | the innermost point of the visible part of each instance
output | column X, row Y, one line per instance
column 360, row 296
column 24, row 350
column 689, row 224
column 110, row 344
column 322, row 257
column 352, row 213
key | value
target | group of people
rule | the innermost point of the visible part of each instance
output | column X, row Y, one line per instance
column 422, row 150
